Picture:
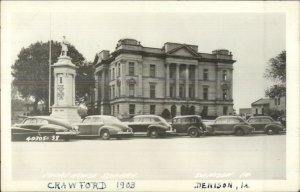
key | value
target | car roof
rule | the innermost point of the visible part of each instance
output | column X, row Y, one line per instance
column 230, row 116
column 49, row 118
column 147, row 116
column 100, row 116
column 260, row 117
column 186, row 116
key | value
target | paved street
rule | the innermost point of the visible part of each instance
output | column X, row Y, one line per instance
column 211, row 157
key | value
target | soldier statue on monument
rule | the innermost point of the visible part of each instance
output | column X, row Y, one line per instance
column 64, row 46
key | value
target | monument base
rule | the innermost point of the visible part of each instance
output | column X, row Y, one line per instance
column 68, row 114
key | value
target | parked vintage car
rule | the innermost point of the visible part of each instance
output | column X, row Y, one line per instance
column 266, row 125
column 151, row 125
column 103, row 126
column 189, row 124
column 230, row 125
column 44, row 127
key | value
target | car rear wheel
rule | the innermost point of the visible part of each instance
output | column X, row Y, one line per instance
column 105, row 135
column 239, row 132
column 153, row 133
column 193, row 132
column 270, row 131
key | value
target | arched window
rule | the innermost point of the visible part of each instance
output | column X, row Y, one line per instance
column 183, row 110
column 192, row 110
column 173, row 110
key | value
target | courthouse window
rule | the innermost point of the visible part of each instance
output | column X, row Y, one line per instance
column 152, row 109
column 224, row 94
column 205, row 74
column 113, row 91
column 131, row 90
column 225, row 109
column 181, row 91
column 119, row 70
column 152, row 91
column 152, row 71
column 205, row 93
column 132, row 109
column 113, row 73
column 224, row 75
column 172, row 91
column 131, row 69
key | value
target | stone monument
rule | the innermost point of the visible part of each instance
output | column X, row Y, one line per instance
column 64, row 87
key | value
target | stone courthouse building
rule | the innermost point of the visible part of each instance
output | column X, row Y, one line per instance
column 177, row 78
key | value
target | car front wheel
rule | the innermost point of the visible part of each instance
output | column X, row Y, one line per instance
column 270, row 131
column 105, row 135
column 193, row 132
column 153, row 133
column 239, row 132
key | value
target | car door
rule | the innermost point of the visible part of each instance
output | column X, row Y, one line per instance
column 30, row 123
column 96, row 124
column 256, row 123
column 231, row 123
column 185, row 124
column 85, row 126
column 138, row 125
column 219, row 125
column 28, row 128
column 264, row 122
column 177, row 125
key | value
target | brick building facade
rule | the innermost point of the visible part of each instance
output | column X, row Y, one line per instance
column 141, row 80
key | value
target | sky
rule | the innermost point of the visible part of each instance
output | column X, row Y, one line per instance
column 253, row 38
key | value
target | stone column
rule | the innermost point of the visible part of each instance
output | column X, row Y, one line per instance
column 167, row 80
column 187, row 81
column 140, row 78
column 123, row 79
column 96, row 88
column 196, row 81
column 177, row 80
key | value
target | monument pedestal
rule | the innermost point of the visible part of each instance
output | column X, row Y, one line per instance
column 68, row 114
column 64, row 90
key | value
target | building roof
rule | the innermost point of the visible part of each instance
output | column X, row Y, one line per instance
column 132, row 46
column 261, row 101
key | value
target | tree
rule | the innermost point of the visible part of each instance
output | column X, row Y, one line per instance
column 166, row 114
column 276, row 72
column 31, row 71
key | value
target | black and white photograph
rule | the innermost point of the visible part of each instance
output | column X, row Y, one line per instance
column 150, row 96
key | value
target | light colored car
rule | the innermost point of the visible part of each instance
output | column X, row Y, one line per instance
column 103, row 126
column 230, row 125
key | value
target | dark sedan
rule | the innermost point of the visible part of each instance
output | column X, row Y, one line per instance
column 151, row 125
column 103, row 126
column 189, row 124
column 230, row 125
column 42, row 128
column 266, row 125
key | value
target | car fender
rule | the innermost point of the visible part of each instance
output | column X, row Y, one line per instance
column 112, row 130
column 244, row 127
column 209, row 129
column 194, row 127
column 159, row 127
column 56, row 128
column 277, row 127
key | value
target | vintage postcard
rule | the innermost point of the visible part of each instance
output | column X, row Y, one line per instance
column 150, row 96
